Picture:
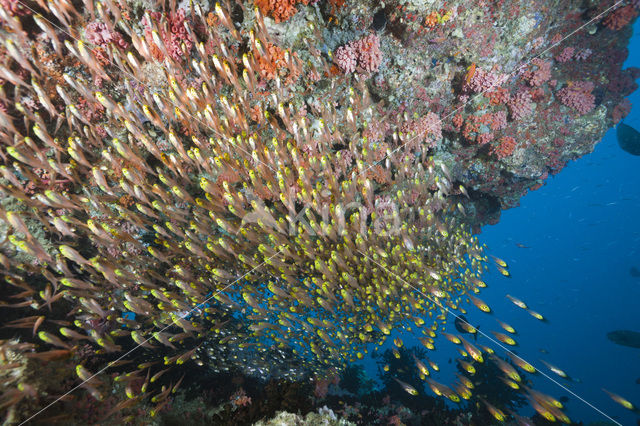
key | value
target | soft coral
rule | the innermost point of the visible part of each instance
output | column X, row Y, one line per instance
column 279, row 10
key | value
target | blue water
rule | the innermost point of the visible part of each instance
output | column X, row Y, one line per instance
column 582, row 230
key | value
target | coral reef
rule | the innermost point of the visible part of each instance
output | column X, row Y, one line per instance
column 248, row 187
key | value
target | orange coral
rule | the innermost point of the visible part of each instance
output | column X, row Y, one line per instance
column 336, row 5
column 432, row 19
column 498, row 96
column 126, row 201
column 279, row 10
column 505, row 147
column 274, row 64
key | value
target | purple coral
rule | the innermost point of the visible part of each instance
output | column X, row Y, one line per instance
column 620, row 17
column 621, row 110
column 566, row 55
column 577, row 95
column 583, row 54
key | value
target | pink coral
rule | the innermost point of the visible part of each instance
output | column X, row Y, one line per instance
column 346, row 58
column 520, row 105
column 173, row 38
column 484, row 81
column 566, row 55
column 376, row 130
column 539, row 73
column 498, row 120
column 577, row 95
column 369, row 54
column 484, row 138
column 499, row 96
column 428, row 129
column 364, row 54
column 99, row 34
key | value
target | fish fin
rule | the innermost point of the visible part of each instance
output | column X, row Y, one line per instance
column 475, row 335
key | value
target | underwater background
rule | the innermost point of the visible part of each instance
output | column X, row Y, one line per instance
column 582, row 241
column 179, row 242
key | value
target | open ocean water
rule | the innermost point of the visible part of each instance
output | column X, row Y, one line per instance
column 583, row 230
column 581, row 238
